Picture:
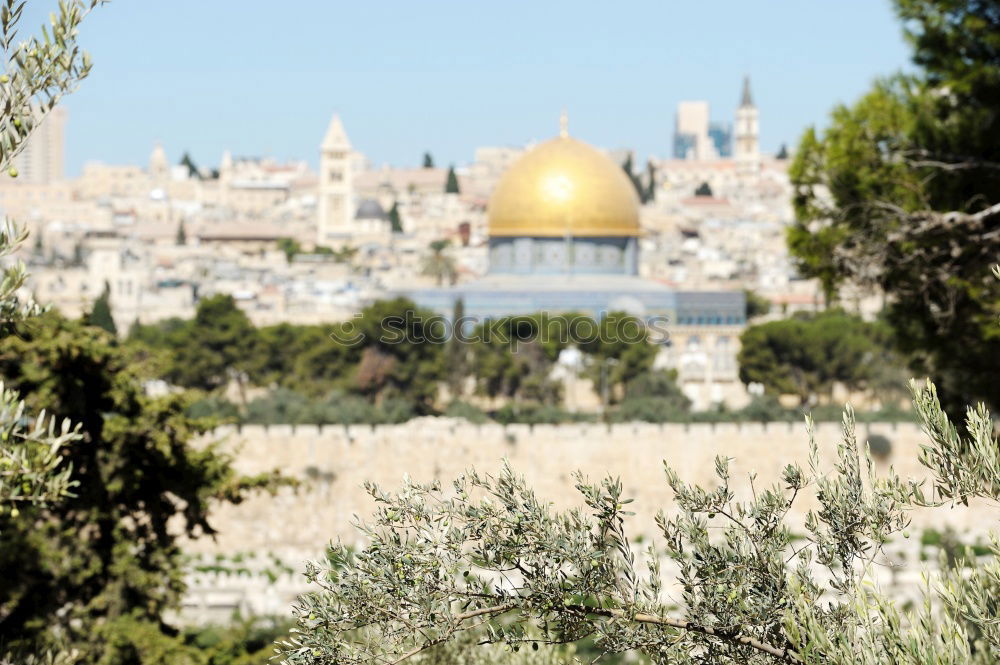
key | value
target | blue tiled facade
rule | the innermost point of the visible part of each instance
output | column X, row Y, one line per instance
column 492, row 298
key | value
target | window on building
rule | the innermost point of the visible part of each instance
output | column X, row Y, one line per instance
column 724, row 357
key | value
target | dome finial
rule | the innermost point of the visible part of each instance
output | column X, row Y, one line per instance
column 563, row 124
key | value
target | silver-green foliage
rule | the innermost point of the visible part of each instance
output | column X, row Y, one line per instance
column 31, row 469
column 484, row 556
column 465, row 650
column 37, row 72
column 12, row 278
column 958, row 620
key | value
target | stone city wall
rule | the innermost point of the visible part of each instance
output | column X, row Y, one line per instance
column 337, row 460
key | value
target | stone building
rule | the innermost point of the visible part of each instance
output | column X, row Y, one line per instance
column 41, row 160
column 563, row 237
column 747, row 150
column 336, row 186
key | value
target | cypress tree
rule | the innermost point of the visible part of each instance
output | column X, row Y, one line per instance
column 650, row 182
column 456, row 353
column 100, row 315
column 191, row 167
column 451, row 187
column 397, row 224
column 627, row 167
column 428, row 161
column 181, row 234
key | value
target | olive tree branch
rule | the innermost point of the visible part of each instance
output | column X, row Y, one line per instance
column 783, row 654
column 495, row 610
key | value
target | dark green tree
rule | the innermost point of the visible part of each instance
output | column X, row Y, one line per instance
column 217, row 346
column 187, row 162
column 757, row 305
column 806, row 355
column 628, row 167
column 100, row 313
column 393, row 351
column 181, row 234
column 620, row 353
column 704, row 189
column 782, row 152
column 439, row 264
column 324, row 359
column 401, row 353
column 156, row 335
column 518, row 371
column 86, row 552
column 901, row 193
column 451, row 186
column 457, row 352
column 394, row 218
column 513, row 357
column 650, row 191
column 653, row 396
column 97, row 569
column 277, row 351
column 428, row 161
column 290, row 246
column 243, row 641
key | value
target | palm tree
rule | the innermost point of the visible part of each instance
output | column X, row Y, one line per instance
column 439, row 265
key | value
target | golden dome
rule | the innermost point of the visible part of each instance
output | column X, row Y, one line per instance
column 564, row 187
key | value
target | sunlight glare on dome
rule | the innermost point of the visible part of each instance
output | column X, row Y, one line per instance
column 564, row 186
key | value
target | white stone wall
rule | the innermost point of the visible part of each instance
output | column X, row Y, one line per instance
column 337, row 460
column 295, row 526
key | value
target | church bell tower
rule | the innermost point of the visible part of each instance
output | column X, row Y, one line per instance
column 747, row 147
column 336, row 186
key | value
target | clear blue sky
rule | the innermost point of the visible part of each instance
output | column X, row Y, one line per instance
column 447, row 76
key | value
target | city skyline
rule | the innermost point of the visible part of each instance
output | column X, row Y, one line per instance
column 447, row 78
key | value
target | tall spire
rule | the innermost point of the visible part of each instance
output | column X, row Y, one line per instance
column 158, row 164
column 747, row 99
column 336, row 137
column 563, row 124
column 746, row 133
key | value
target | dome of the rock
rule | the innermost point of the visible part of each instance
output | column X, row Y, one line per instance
column 564, row 187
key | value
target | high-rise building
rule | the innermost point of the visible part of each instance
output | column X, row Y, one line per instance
column 747, row 149
column 336, row 189
column 691, row 139
column 41, row 160
column 683, row 145
column 721, row 134
column 696, row 137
